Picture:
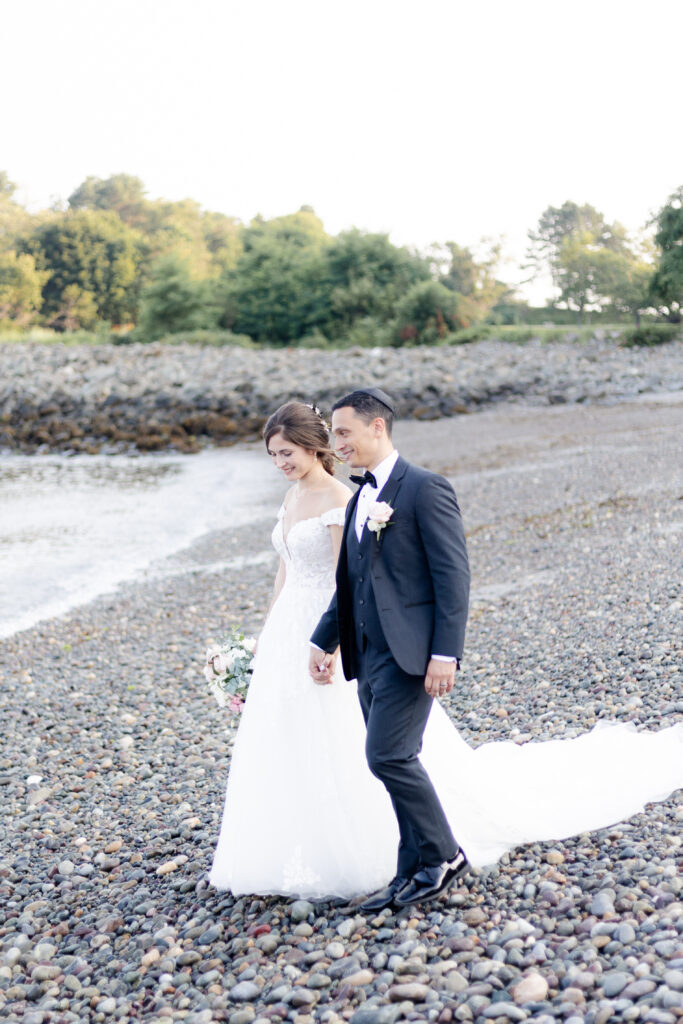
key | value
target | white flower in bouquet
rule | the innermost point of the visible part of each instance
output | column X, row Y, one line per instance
column 219, row 662
column 228, row 670
column 219, row 693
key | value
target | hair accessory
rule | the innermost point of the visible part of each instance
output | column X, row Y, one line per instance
column 320, row 416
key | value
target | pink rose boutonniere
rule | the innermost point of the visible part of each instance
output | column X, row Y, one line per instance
column 379, row 514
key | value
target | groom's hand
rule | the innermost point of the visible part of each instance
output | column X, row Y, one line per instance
column 321, row 666
column 440, row 677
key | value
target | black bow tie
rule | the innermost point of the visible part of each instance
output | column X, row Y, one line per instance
column 367, row 478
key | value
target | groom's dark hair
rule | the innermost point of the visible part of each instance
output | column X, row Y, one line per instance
column 367, row 407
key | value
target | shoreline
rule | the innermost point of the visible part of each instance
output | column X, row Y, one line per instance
column 115, row 758
column 539, row 428
column 113, row 399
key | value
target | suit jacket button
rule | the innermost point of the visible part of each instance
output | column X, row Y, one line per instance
column 361, row 579
column 362, row 625
column 362, row 601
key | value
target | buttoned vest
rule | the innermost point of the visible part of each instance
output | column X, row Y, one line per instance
column 365, row 617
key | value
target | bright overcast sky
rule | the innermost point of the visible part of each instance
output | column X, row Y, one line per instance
column 432, row 120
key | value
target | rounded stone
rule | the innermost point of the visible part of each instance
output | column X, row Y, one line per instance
column 674, row 980
column 300, row 910
column 244, row 1016
column 244, row 991
column 412, row 991
column 106, row 1006
column 531, row 989
column 614, row 982
column 474, row 916
column 602, row 904
column 302, row 997
column 359, row 978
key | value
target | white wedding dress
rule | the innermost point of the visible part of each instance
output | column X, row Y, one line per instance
column 305, row 817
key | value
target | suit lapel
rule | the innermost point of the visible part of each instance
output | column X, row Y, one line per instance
column 393, row 484
column 350, row 513
column 388, row 494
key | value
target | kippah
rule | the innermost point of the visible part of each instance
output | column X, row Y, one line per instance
column 378, row 395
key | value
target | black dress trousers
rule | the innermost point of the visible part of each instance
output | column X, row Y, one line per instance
column 396, row 707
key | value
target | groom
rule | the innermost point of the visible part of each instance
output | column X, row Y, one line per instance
column 398, row 614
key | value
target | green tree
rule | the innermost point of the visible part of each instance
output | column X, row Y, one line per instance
column 473, row 281
column 77, row 309
column 627, row 283
column 21, row 287
column 277, row 291
column 591, row 275
column 426, row 313
column 95, row 251
column 667, row 284
column 367, row 276
column 123, row 194
column 209, row 242
column 578, row 271
column 557, row 224
column 173, row 300
column 222, row 237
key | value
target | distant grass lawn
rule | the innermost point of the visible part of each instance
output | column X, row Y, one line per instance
column 620, row 334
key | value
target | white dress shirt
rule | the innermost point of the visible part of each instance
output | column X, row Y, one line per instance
column 368, row 493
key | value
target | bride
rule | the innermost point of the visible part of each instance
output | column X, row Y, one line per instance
column 303, row 814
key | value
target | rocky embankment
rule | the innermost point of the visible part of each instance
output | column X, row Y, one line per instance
column 110, row 398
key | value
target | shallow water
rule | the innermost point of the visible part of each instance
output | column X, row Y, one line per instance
column 73, row 527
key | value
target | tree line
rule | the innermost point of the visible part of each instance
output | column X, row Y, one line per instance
column 151, row 267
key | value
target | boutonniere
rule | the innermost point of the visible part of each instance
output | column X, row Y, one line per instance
column 379, row 514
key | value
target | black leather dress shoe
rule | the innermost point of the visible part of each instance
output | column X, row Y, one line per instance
column 386, row 896
column 430, row 881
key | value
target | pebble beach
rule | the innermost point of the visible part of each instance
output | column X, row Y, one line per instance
column 114, row 760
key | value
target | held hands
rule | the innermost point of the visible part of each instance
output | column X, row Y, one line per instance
column 321, row 666
column 440, row 677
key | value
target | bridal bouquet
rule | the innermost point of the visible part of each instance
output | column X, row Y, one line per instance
column 228, row 669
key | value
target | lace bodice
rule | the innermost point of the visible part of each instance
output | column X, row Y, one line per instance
column 307, row 551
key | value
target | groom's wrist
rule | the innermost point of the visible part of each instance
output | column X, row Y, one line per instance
column 447, row 657
column 322, row 650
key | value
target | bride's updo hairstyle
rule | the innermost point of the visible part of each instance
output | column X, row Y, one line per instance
column 302, row 425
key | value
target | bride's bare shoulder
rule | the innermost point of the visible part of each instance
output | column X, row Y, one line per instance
column 336, row 494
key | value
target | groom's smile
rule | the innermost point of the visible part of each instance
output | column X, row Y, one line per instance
column 357, row 442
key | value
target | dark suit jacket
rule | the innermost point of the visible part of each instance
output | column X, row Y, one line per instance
column 419, row 571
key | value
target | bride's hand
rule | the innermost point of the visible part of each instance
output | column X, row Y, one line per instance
column 321, row 666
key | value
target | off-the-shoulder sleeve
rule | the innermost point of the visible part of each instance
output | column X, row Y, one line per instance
column 334, row 516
